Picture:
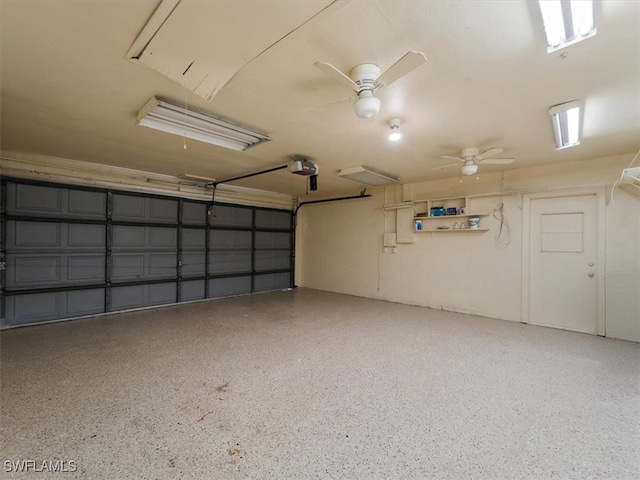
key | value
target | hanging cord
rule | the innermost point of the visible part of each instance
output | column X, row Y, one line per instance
column 503, row 237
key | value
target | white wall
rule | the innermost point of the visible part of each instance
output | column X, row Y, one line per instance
column 339, row 246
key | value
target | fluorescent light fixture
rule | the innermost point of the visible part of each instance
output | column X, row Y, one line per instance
column 367, row 175
column 166, row 117
column 566, row 120
column 567, row 22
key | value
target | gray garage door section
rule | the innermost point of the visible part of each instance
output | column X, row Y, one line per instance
column 272, row 250
column 53, row 238
column 72, row 252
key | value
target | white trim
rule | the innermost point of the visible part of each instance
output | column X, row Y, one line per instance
column 74, row 172
column 600, row 249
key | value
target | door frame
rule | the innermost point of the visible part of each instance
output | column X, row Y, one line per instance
column 600, row 249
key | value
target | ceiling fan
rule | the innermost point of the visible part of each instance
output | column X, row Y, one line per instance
column 365, row 79
column 471, row 158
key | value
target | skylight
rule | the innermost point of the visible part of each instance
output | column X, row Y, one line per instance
column 567, row 22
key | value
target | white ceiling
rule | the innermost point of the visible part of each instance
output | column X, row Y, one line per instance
column 68, row 90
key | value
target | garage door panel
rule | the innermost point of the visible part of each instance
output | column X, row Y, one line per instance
column 33, row 308
column 85, row 302
column 138, row 296
column 272, row 260
column 228, row 216
column 221, row 263
column 28, row 235
column 224, row 287
column 31, row 271
column 273, row 219
column 272, row 281
column 140, row 266
column 133, row 237
column 192, row 290
column 87, row 204
column 162, row 265
column 273, row 240
column 230, row 239
column 46, row 201
column 48, row 236
column 90, row 268
column 40, row 307
column 161, row 293
column 127, row 267
column 24, row 271
column 193, row 238
column 193, row 263
column 144, row 209
column 86, row 236
column 194, row 213
column 127, row 207
column 165, row 238
column 131, row 296
column 162, row 210
column 127, row 236
column 34, row 199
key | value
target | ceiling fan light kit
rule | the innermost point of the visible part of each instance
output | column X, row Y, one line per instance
column 367, row 78
column 367, row 105
column 469, row 168
column 471, row 158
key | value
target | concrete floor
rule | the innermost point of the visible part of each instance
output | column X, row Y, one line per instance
column 309, row 384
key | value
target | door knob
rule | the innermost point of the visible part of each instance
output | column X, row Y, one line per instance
column 591, row 264
column 591, row 274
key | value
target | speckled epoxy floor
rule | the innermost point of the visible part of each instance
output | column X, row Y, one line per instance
column 308, row 384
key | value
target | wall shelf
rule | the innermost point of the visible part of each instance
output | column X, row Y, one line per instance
column 430, row 223
column 452, row 230
column 464, row 215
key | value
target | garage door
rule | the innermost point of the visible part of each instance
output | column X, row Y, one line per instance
column 72, row 252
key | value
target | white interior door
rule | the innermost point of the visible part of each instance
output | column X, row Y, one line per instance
column 564, row 264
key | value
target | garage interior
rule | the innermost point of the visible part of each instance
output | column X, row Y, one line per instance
column 219, row 261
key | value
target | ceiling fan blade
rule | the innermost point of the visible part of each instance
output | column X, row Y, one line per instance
column 447, row 166
column 336, row 74
column 449, row 157
column 489, row 153
column 406, row 64
column 330, row 102
column 496, row 161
